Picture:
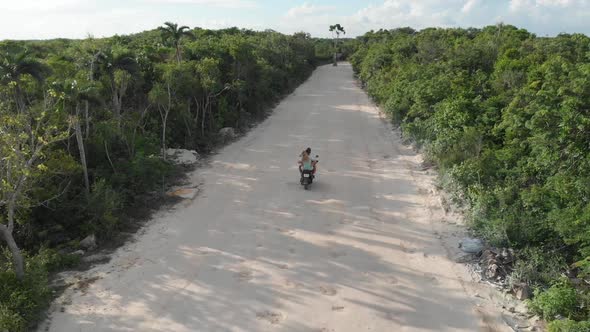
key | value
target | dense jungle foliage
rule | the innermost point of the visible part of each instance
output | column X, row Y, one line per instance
column 324, row 49
column 83, row 124
column 505, row 116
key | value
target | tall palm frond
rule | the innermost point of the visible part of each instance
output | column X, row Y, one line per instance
column 110, row 61
column 14, row 66
column 173, row 33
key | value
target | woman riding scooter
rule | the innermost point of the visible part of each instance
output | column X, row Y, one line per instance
column 307, row 164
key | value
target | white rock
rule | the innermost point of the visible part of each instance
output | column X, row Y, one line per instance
column 227, row 132
column 65, row 278
column 95, row 258
column 471, row 245
column 182, row 156
column 89, row 242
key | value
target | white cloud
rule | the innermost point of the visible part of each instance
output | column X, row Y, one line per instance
column 417, row 14
column 538, row 16
column 469, row 5
column 516, row 5
column 307, row 9
column 224, row 23
column 33, row 5
column 549, row 17
column 562, row 3
column 210, row 3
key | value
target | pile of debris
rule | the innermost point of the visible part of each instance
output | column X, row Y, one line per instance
column 497, row 263
column 494, row 265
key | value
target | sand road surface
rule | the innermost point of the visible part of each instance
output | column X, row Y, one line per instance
column 255, row 252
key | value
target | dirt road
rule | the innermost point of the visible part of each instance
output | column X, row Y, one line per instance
column 255, row 252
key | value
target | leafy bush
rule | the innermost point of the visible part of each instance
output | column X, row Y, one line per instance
column 21, row 301
column 103, row 207
column 559, row 300
column 10, row 320
column 536, row 267
column 53, row 261
column 568, row 325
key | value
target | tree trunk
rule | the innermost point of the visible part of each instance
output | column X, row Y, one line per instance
column 186, row 123
column 82, row 150
column 336, row 50
column 164, row 114
column 203, row 119
column 86, row 103
column 17, row 257
column 209, row 104
column 178, row 55
column 18, row 96
column 334, row 47
column 164, row 119
column 239, row 117
column 116, row 102
column 106, row 149
column 87, row 118
column 198, row 104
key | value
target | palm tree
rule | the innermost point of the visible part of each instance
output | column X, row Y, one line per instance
column 119, row 65
column 171, row 32
column 336, row 29
column 15, row 65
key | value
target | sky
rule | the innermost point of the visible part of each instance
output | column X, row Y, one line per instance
column 44, row 19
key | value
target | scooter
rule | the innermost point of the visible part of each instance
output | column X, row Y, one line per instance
column 307, row 176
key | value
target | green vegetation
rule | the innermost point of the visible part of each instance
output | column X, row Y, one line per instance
column 569, row 325
column 84, row 123
column 504, row 115
column 22, row 299
column 325, row 49
column 560, row 300
column 537, row 268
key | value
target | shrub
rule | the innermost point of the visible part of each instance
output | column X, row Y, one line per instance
column 10, row 320
column 54, row 261
column 21, row 301
column 141, row 174
column 568, row 325
column 103, row 205
column 537, row 267
column 559, row 300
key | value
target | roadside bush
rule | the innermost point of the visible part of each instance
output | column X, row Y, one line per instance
column 10, row 320
column 568, row 325
column 21, row 301
column 104, row 204
column 53, row 261
column 559, row 300
column 536, row 267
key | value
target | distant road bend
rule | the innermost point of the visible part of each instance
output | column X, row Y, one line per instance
column 255, row 252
